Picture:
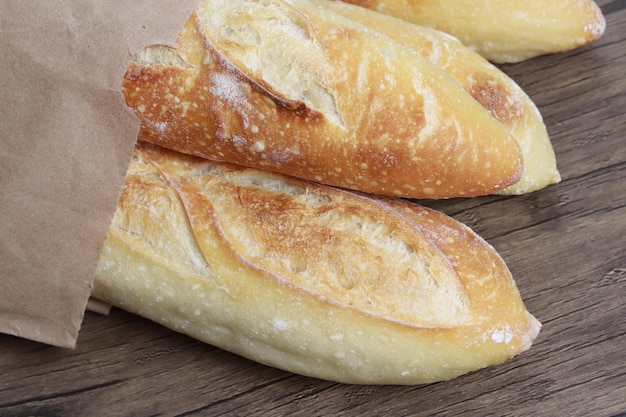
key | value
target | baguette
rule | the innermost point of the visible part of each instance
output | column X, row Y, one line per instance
column 289, row 87
column 308, row 278
column 492, row 88
column 504, row 31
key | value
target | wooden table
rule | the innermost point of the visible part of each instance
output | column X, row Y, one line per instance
column 565, row 245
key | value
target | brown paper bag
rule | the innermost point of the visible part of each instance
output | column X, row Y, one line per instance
column 66, row 142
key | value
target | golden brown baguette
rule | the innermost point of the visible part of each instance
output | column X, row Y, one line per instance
column 492, row 88
column 504, row 31
column 294, row 88
column 308, row 278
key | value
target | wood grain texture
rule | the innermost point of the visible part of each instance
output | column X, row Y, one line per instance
column 565, row 245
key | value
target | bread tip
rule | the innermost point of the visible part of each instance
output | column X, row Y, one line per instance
column 598, row 29
column 594, row 24
column 534, row 327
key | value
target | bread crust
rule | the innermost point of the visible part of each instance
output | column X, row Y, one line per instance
column 504, row 31
column 415, row 297
column 492, row 88
column 336, row 104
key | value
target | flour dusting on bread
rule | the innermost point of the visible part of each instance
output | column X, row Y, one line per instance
column 293, row 69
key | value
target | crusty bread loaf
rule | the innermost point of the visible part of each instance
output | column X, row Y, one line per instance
column 504, row 31
column 492, row 88
column 308, row 278
column 290, row 87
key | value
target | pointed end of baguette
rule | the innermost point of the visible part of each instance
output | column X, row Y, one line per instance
column 596, row 23
column 534, row 327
